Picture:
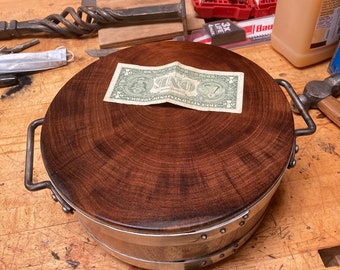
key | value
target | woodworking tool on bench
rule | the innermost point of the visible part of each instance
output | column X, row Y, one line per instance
column 321, row 95
column 94, row 19
column 20, row 47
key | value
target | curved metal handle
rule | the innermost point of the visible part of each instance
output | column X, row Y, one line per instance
column 29, row 168
column 308, row 119
column 297, row 102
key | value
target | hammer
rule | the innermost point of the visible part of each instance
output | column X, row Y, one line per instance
column 321, row 95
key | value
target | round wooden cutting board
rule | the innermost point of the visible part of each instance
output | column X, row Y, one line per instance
column 165, row 167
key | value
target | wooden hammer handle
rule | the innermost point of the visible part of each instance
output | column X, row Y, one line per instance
column 330, row 106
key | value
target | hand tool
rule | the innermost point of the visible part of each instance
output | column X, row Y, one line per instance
column 100, row 52
column 8, row 80
column 321, row 95
column 20, row 47
column 95, row 19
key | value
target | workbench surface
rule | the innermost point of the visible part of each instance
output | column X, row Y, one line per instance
column 303, row 217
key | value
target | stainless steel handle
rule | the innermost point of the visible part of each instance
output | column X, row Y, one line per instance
column 306, row 116
column 29, row 168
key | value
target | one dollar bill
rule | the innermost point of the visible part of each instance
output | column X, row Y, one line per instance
column 179, row 84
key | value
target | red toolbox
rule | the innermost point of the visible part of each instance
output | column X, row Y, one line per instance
column 234, row 9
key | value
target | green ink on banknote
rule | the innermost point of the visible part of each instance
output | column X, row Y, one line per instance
column 179, row 84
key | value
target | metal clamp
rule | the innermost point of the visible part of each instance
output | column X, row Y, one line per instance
column 29, row 168
column 311, row 127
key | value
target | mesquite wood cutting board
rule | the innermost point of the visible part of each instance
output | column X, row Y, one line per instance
column 165, row 167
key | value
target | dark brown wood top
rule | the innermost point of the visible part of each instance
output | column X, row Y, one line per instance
column 165, row 167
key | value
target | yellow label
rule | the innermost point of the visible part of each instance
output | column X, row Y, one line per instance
column 327, row 30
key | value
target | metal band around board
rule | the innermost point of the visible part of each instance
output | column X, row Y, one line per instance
column 189, row 264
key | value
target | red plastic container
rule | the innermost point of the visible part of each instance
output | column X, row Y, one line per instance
column 234, row 9
column 263, row 8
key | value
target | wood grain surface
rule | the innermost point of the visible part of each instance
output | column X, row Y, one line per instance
column 166, row 167
column 303, row 217
column 330, row 106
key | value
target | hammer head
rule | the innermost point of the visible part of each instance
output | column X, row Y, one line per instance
column 315, row 91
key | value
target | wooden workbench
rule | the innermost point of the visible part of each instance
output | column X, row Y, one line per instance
column 35, row 233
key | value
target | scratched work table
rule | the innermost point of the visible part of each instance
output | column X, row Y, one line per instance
column 303, row 217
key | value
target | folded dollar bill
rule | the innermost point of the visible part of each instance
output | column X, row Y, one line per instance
column 178, row 84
